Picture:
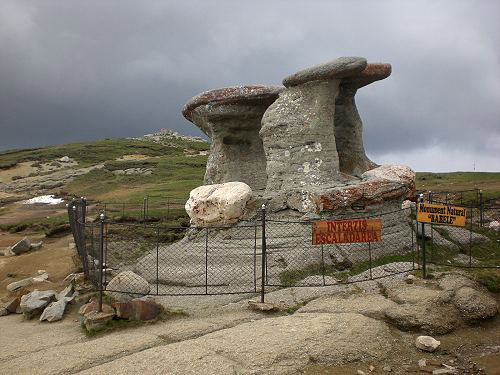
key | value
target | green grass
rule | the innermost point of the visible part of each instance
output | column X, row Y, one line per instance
column 45, row 224
column 489, row 182
column 90, row 153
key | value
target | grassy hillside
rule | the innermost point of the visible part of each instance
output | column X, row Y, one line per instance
column 177, row 166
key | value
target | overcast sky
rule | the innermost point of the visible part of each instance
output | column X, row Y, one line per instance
column 92, row 69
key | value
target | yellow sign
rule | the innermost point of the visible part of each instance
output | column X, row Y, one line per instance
column 441, row 214
column 346, row 231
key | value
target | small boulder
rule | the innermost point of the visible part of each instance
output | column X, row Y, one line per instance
column 54, row 311
column 19, row 284
column 37, row 245
column 3, row 311
column 21, row 247
column 96, row 321
column 93, row 306
column 33, row 303
column 126, row 286
column 65, row 159
column 138, row 309
column 474, row 305
column 66, row 293
column 218, row 204
column 427, row 343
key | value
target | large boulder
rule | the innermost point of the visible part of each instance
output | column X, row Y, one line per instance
column 33, row 303
column 474, row 305
column 219, row 204
column 126, row 286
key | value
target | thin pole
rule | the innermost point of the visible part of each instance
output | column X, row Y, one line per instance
column 255, row 259
column 157, row 263
column 323, row 264
column 470, row 239
column 412, row 240
column 262, row 289
column 370, row 254
column 206, row 260
column 424, row 263
column 101, row 259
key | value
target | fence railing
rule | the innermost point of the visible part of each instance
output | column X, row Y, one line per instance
column 268, row 253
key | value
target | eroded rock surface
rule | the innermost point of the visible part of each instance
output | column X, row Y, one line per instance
column 231, row 117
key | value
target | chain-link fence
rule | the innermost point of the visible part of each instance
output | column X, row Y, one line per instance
column 268, row 253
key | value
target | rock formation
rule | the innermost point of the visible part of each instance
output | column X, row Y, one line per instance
column 231, row 117
column 309, row 141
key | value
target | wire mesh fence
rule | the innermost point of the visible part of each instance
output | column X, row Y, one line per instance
column 268, row 253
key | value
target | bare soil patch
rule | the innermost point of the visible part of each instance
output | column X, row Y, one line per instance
column 134, row 157
column 17, row 212
column 54, row 257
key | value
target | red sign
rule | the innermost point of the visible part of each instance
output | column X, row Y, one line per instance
column 347, row 231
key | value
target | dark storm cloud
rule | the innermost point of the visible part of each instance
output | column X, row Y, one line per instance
column 75, row 70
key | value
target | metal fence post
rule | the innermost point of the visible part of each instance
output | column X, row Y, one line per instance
column 412, row 239
column 262, row 290
column 323, row 264
column 101, row 261
column 424, row 263
column 206, row 260
column 470, row 239
column 481, row 209
column 370, row 255
column 157, row 262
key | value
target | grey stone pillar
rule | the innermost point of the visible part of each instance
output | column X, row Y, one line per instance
column 348, row 124
column 231, row 117
column 298, row 128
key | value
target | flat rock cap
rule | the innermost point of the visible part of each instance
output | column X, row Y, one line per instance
column 373, row 72
column 232, row 95
column 338, row 68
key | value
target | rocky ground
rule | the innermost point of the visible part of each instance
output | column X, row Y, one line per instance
column 330, row 330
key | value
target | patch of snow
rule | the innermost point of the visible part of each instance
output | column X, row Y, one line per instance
column 44, row 199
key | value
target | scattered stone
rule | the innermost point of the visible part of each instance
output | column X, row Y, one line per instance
column 371, row 368
column 93, row 306
column 66, row 293
column 410, row 279
column 65, row 159
column 427, row 343
column 37, row 245
column 54, row 311
column 422, row 363
column 219, row 204
column 19, row 284
column 21, row 247
column 96, row 321
column 387, row 368
column 263, row 306
column 127, row 285
column 41, row 278
column 360, row 372
column 474, row 305
column 33, row 303
column 441, row 371
column 462, row 236
column 495, row 225
column 141, row 309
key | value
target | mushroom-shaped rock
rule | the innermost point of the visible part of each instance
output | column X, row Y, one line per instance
column 231, row 117
column 297, row 129
column 348, row 124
